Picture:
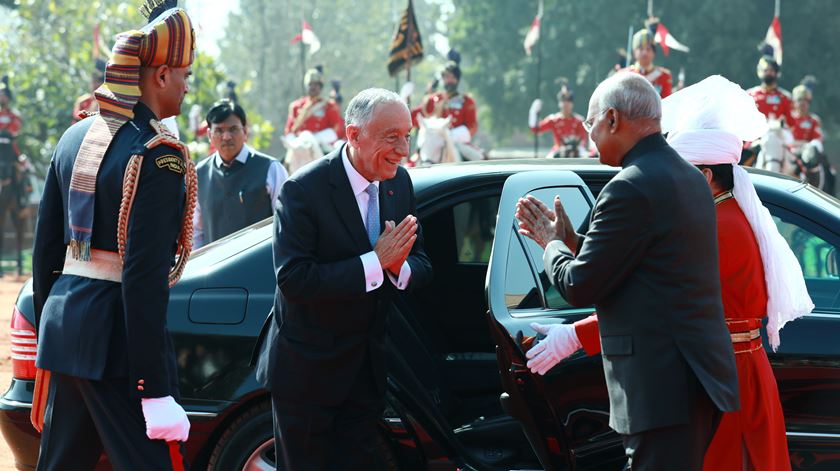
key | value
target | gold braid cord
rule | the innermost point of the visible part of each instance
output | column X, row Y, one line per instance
column 130, row 182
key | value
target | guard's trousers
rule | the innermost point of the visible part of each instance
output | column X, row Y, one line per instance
column 84, row 417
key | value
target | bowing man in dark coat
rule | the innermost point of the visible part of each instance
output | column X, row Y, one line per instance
column 346, row 242
column 649, row 264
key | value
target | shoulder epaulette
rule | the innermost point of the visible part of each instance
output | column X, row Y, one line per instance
column 163, row 136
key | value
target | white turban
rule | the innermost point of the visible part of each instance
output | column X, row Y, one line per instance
column 706, row 124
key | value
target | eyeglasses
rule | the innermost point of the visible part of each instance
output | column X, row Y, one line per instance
column 587, row 125
column 233, row 131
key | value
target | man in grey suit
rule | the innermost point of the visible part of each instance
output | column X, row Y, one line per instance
column 649, row 264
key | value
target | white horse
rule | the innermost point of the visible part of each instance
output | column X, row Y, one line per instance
column 435, row 145
column 775, row 154
column 301, row 149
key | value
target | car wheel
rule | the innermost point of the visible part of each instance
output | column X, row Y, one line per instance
column 248, row 445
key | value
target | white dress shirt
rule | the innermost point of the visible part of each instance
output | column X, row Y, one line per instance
column 374, row 273
column 277, row 174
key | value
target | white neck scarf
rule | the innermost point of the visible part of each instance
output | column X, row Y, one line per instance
column 706, row 124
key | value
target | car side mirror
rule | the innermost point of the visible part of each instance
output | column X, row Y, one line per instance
column 831, row 263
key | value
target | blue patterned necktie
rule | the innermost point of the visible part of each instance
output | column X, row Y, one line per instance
column 372, row 220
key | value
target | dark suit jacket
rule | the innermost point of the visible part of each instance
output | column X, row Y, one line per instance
column 327, row 327
column 98, row 329
column 649, row 264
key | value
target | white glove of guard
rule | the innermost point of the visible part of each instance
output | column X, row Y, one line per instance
column 406, row 90
column 560, row 342
column 165, row 419
column 460, row 134
column 326, row 136
column 536, row 106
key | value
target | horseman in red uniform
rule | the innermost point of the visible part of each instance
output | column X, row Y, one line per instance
column 461, row 107
column 570, row 138
column 10, row 120
column 805, row 126
column 314, row 114
column 86, row 103
column 773, row 101
column 644, row 52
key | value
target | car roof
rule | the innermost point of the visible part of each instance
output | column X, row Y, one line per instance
column 427, row 177
column 443, row 179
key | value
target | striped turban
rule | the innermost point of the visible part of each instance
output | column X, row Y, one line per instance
column 168, row 39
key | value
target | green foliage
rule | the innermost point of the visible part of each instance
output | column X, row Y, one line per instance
column 46, row 48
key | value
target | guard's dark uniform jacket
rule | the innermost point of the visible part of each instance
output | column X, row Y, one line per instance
column 232, row 197
column 96, row 329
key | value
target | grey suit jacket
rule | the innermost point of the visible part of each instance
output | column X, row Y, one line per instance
column 649, row 264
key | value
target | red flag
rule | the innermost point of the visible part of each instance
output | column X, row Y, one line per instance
column 774, row 38
column 96, row 42
column 668, row 42
column 533, row 35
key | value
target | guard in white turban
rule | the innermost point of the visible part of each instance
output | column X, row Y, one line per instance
column 760, row 277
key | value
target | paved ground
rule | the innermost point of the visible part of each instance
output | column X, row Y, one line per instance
column 9, row 287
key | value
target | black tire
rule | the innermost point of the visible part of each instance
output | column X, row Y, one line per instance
column 248, row 444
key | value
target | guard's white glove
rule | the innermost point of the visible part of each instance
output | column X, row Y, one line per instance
column 406, row 90
column 787, row 136
column 165, row 419
column 460, row 134
column 560, row 342
column 326, row 136
column 536, row 106
column 817, row 144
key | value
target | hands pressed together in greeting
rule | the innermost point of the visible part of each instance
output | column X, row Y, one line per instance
column 395, row 243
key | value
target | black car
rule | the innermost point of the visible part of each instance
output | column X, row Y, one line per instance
column 458, row 395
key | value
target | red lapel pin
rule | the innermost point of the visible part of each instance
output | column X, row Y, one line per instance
column 390, row 192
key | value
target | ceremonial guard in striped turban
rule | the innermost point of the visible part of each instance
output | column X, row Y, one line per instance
column 644, row 51
column 113, row 234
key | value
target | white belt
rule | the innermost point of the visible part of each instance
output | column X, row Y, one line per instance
column 103, row 265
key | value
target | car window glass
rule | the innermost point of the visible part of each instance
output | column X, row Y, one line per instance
column 475, row 225
column 816, row 257
column 577, row 207
column 521, row 290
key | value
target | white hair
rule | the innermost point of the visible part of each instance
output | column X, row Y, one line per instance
column 631, row 94
column 361, row 107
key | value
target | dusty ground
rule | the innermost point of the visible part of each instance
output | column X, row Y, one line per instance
column 9, row 287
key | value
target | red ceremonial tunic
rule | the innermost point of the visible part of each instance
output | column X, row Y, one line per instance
column 441, row 105
column 319, row 114
column 759, row 427
column 659, row 77
column 806, row 127
column 86, row 102
column 775, row 103
column 11, row 123
column 562, row 128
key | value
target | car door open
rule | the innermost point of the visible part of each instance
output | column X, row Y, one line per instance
column 564, row 414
